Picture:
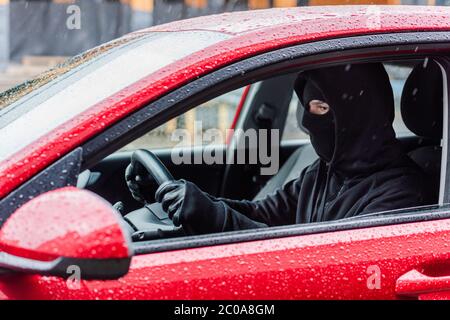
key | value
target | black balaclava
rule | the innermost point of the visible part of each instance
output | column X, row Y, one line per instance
column 358, row 127
column 319, row 127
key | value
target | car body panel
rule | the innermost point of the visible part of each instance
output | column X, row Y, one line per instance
column 20, row 166
column 318, row 20
column 364, row 263
column 353, row 264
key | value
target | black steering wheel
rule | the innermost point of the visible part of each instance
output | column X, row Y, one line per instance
column 151, row 163
column 151, row 221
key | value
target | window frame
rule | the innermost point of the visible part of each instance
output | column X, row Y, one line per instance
column 361, row 49
column 444, row 194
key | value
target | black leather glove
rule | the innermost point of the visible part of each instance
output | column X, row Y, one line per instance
column 187, row 205
column 197, row 212
column 138, row 182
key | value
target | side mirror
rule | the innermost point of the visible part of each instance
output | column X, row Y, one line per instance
column 62, row 229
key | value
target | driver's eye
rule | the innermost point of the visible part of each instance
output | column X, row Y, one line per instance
column 318, row 107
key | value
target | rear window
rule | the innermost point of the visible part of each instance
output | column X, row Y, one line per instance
column 397, row 76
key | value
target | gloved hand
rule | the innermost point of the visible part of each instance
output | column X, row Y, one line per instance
column 188, row 206
column 138, row 182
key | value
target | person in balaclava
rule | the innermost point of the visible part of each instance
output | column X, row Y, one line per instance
column 348, row 112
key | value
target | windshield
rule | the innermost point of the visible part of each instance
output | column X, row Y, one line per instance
column 38, row 106
column 11, row 95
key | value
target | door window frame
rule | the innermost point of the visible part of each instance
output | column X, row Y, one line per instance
column 444, row 194
column 378, row 219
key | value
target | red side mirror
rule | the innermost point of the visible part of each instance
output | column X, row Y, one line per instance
column 63, row 228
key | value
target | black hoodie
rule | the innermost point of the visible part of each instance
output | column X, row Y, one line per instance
column 361, row 167
column 368, row 171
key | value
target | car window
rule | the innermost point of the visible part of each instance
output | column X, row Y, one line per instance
column 291, row 129
column 219, row 113
column 397, row 76
column 187, row 129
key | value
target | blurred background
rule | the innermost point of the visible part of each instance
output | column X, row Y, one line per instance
column 35, row 35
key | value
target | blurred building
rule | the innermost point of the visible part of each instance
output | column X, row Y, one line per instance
column 68, row 27
column 4, row 34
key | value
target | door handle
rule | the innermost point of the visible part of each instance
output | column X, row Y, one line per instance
column 416, row 284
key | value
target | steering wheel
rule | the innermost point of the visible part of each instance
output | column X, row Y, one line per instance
column 151, row 221
column 151, row 163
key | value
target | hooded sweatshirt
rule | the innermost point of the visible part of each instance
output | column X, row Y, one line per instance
column 361, row 167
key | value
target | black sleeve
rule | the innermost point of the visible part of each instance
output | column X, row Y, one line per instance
column 276, row 209
column 406, row 192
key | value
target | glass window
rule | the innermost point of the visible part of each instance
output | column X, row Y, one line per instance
column 215, row 116
column 291, row 129
column 397, row 76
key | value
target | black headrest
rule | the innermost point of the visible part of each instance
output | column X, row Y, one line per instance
column 422, row 100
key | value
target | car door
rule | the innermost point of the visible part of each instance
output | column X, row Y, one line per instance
column 404, row 260
column 403, row 254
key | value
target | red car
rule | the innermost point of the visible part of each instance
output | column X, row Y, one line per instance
column 68, row 135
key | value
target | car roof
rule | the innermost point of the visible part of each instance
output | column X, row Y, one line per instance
column 314, row 19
